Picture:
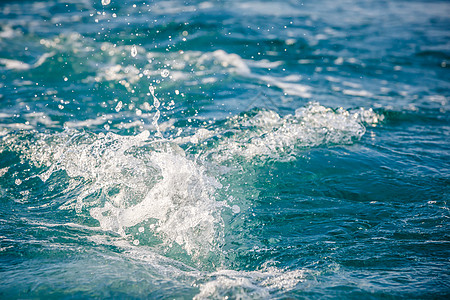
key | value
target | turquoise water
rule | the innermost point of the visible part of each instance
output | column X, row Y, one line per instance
column 214, row 149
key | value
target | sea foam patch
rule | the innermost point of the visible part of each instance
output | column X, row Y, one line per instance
column 128, row 180
column 264, row 133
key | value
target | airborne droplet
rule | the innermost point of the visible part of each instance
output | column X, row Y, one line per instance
column 106, row 2
column 119, row 106
column 165, row 73
column 133, row 51
column 156, row 103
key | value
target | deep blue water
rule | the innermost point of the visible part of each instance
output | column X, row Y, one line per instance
column 224, row 149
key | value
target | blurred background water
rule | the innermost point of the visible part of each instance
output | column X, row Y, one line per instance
column 213, row 149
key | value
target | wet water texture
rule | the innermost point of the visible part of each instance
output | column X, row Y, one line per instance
column 224, row 149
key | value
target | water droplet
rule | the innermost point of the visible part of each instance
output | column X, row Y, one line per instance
column 236, row 209
column 156, row 103
column 119, row 106
column 106, row 2
column 18, row 181
column 156, row 117
column 141, row 229
column 136, row 242
column 133, row 51
column 165, row 73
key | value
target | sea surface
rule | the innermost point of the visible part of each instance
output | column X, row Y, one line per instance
column 232, row 149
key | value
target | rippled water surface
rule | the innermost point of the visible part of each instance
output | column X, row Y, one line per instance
column 214, row 149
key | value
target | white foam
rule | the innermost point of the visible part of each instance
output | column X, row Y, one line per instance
column 88, row 123
column 352, row 84
column 289, row 88
column 12, row 64
column 264, row 63
column 19, row 126
column 235, row 64
column 358, row 93
column 8, row 32
column 230, row 60
column 123, row 187
column 182, row 202
column 249, row 285
column 200, row 135
column 40, row 117
column 126, row 76
column 208, row 68
column 267, row 134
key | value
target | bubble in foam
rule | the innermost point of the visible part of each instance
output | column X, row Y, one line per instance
column 136, row 242
column 133, row 51
column 235, row 209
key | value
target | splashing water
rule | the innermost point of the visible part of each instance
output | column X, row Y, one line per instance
column 266, row 134
column 156, row 104
column 133, row 51
column 132, row 185
column 250, row 151
column 132, row 180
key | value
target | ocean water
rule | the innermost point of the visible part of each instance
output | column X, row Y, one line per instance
column 215, row 149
